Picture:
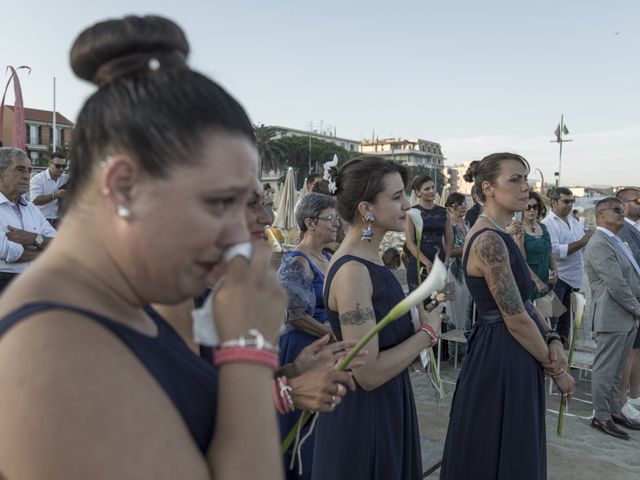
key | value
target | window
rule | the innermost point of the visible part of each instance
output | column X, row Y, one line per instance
column 27, row 130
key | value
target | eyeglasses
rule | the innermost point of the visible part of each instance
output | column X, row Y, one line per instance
column 58, row 165
column 532, row 207
column 330, row 218
column 568, row 202
column 635, row 200
column 617, row 210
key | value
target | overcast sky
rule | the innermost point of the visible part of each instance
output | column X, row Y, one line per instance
column 476, row 77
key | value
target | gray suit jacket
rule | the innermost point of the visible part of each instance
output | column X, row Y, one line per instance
column 614, row 283
column 632, row 237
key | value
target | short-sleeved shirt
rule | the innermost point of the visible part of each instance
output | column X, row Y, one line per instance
column 43, row 184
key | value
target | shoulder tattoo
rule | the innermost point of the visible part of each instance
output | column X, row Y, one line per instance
column 358, row 316
column 492, row 251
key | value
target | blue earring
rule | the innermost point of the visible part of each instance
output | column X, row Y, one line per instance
column 367, row 233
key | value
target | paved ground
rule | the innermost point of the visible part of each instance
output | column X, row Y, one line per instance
column 581, row 454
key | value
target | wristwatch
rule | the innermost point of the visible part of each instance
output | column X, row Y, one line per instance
column 39, row 240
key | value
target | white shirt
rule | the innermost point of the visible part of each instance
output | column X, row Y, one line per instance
column 569, row 266
column 32, row 221
column 43, row 184
column 635, row 225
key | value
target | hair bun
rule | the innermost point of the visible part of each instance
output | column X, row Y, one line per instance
column 96, row 52
column 471, row 172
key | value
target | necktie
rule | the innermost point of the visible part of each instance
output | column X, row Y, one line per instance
column 627, row 253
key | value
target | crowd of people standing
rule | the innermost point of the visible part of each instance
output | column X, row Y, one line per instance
column 102, row 377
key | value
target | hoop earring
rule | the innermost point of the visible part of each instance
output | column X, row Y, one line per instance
column 123, row 212
column 367, row 233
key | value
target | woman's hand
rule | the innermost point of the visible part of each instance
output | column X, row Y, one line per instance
column 541, row 286
column 320, row 390
column 321, row 355
column 250, row 297
column 515, row 229
column 566, row 384
column 557, row 361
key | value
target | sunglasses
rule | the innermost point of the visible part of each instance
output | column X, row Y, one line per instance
column 330, row 218
column 568, row 202
column 635, row 200
column 617, row 210
column 532, row 207
column 58, row 165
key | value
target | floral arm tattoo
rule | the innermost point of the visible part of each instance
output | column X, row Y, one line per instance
column 358, row 316
column 492, row 251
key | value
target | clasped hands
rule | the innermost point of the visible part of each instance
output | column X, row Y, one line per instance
column 556, row 369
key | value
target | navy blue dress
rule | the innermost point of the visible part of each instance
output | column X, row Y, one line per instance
column 188, row 380
column 434, row 221
column 372, row 435
column 292, row 341
column 496, row 425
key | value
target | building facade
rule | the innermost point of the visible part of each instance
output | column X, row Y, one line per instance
column 346, row 143
column 412, row 152
column 39, row 131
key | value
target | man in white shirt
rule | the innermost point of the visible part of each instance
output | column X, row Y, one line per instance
column 24, row 232
column 630, row 234
column 567, row 243
column 47, row 188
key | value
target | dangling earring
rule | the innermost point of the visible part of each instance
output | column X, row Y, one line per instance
column 123, row 212
column 367, row 233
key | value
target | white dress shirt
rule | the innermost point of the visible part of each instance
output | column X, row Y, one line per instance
column 43, row 184
column 562, row 234
column 30, row 219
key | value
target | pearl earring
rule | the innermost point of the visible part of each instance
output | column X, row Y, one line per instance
column 123, row 212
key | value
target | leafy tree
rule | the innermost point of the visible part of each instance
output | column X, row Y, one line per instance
column 307, row 154
column 271, row 150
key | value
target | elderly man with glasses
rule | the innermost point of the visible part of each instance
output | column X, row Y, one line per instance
column 568, row 239
column 614, row 278
column 47, row 188
column 24, row 232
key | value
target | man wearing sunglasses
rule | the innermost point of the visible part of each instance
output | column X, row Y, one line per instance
column 614, row 279
column 47, row 188
column 630, row 233
column 568, row 240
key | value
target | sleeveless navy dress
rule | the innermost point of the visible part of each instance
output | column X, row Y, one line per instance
column 434, row 221
column 496, row 426
column 189, row 381
column 291, row 343
column 371, row 435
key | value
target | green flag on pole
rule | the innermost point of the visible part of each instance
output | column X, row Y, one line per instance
column 565, row 130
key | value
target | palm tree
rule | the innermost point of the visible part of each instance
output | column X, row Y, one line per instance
column 271, row 151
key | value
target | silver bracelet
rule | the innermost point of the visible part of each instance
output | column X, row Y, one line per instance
column 255, row 339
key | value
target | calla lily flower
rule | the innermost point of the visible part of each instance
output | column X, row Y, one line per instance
column 580, row 303
column 433, row 283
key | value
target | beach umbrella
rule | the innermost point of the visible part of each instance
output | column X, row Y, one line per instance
column 285, row 211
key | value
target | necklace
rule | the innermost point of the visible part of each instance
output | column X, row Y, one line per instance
column 322, row 258
column 502, row 229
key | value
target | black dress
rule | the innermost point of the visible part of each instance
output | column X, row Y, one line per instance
column 371, row 435
column 434, row 221
column 496, row 426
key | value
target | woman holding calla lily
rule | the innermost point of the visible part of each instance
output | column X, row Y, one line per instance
column 499, row 402
column 373, row 433
column 436, row 237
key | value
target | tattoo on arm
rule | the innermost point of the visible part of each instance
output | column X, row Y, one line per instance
column 492, row 251
column 357, row 316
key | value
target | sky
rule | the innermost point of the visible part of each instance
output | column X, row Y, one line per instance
column 477, row 77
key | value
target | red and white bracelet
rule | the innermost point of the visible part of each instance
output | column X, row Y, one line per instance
column 254, row 349
column 425, row 327
column 282, row 395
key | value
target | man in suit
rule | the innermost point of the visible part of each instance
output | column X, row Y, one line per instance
column 630, row 234
column 614, row 277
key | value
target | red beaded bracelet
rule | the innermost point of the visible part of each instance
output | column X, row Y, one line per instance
column 425, row 327
column 245, row 355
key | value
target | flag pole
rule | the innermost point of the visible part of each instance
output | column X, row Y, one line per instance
column 55, row 130
column 560, row 157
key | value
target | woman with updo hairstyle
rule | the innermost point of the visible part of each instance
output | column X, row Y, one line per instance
column 437, row 236
column 497, row 426
column 95, row 384
column 373, row 433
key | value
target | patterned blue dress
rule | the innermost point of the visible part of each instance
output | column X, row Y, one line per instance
column 434, row 221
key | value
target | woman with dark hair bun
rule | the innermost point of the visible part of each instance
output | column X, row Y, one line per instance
column 497, row 427
column 95, row 383
column 436, row 228
column 373, row 433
